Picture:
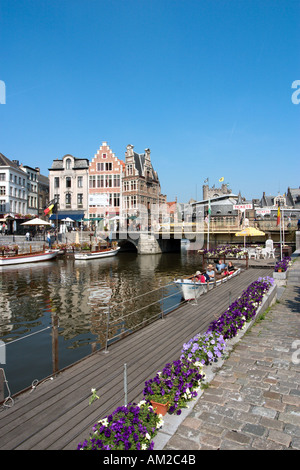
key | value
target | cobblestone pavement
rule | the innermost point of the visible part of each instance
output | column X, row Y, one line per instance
column 253, row 400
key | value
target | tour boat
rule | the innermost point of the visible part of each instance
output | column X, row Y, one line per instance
column 193, row 289
column 8, row 260
column 88, row 255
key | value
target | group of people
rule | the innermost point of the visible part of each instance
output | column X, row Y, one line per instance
column 209, row 274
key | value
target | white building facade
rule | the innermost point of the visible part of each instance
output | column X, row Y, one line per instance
column 68, row 186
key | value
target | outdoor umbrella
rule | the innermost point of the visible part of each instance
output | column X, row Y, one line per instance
column 249, row 232
column 36, row 221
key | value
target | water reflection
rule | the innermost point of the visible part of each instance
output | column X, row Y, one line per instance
column 80, row 295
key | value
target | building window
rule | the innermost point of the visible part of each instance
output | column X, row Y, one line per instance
column 68, row 164
column 116, row 181
column 129, row 170
column 79, row 200
column 133, row 202
column 56, row 182
column 108, row 181
column 92, row 181
column 68, row 182
column 108, row 166
column 116, row 201
column 133, row 185
column 80, row 182
column 56, row 198
column 68, row 199
column 100, row 181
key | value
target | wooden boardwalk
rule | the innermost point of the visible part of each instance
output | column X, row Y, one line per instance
column 57, row 415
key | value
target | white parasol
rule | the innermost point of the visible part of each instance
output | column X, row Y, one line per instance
column 36, row 221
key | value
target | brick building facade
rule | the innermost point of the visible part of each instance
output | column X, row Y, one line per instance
column 105, row 185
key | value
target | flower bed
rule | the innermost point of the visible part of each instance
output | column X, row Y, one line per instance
column 242, row 310
column 176, row 384
column 283, row 264
column 132, row 427
column 224, row 250
column 129, row 427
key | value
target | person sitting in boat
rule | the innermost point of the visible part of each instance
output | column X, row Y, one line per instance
column 199, row 277
column 229, row 269
column 210, row 271
column 220, row 266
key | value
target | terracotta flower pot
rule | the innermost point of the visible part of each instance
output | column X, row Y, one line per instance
column 160, row 408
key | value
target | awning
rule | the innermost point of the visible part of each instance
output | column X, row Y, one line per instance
column 63, row 215
column 94, row 218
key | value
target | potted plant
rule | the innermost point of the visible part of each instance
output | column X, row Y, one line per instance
column 175, row 385
column 281, row 267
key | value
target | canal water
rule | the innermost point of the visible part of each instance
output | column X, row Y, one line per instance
column 124, row 292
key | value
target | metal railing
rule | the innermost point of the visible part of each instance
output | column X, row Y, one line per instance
column 110, row 324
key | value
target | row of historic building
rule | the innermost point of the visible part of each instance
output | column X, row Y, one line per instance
column 105, row 187
column 108, row 188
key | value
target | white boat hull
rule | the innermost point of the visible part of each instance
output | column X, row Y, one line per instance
column 27, row 258
column 96, row 254
column 192, row 290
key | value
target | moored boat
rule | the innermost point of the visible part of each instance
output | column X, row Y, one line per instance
column 8, row 260
column 88, row 255
column 191, row 289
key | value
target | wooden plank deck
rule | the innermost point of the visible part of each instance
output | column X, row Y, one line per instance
column 57, row 415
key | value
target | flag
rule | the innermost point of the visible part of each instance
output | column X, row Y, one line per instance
column 278, row 216
column 221, row 179
column 51, row 209
column 209, row 208
column 206, row 181
column 48, row 210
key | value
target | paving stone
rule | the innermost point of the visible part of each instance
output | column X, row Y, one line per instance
column 295, row 444
column 272, row 395
column 260, row 410
column 255, row 429
column 275, row 405
column 272, row 423
column 264, row 444
column 237, row 437
column 177, row 442
column 291, row 400
column 279, row 437
column 293, row 430
column 213, row 442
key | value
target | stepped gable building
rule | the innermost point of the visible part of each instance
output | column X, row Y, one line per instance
column 105, row 183
column 141, row 187
column 68, row 186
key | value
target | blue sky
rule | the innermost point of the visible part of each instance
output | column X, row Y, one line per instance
column 206, row 85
